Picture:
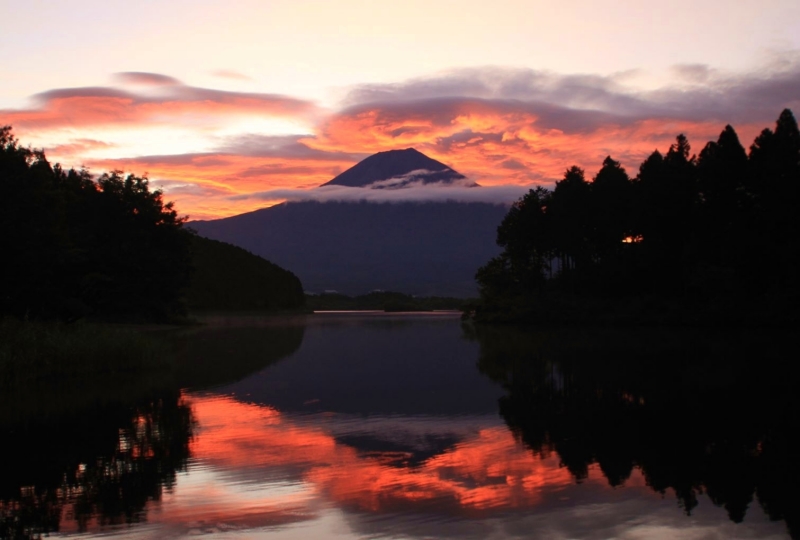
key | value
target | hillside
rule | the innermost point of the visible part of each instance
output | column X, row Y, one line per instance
column 227, row 277
column 425, row 249
column 417, row 248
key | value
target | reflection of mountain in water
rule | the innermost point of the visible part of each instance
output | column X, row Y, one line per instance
column 710, row 415
column 407, row 453
column 105, row 464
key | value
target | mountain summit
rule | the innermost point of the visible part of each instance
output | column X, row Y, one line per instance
column 431, row 248
column 396, row 169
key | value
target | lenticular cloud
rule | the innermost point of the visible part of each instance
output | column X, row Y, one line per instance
column 411, row 192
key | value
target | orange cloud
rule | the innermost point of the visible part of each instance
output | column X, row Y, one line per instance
column 77, row 147
column 498, row 127
column 502, row 142
column 493, row 144
column 204, row 184
column 101, row 106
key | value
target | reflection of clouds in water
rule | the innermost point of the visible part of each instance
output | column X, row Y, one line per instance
column 256, row 470
column 631, row 516
column 486, row 469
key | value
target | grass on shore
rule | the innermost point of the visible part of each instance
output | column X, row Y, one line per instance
column 33, row 352
column 50, row 369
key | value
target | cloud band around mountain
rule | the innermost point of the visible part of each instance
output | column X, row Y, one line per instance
column 497, row 126
column 412, row 192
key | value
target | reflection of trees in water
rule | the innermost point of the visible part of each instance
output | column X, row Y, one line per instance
column 105, row 464
column 697, row 414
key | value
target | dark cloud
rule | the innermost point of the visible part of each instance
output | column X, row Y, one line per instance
column 467, row 138
column 196, row 94
column 695, row 73
column 182, row 188
column 83, row 92
column 199, row 159
column 283, row 146
column 490, row 83
column 144, row 78
column 578, row 102
column 440, row 111
column 513, row 164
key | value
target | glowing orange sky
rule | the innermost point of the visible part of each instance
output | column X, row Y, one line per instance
column 492, row 141
column 219, row 103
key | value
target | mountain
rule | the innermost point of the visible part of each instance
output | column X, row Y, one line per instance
column 396, row 168
column 428, row 248
column 431, row 249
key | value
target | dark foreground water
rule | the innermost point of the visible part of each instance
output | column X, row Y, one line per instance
column 412, row 426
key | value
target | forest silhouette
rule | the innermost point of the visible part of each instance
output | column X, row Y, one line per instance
column 719, row 229
column 73, row 245
column 82, row 459
column 111, row 249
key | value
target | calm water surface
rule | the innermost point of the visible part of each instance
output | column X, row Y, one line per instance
column 412, row 426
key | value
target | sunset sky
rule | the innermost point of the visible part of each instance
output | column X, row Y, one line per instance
column 231, row 106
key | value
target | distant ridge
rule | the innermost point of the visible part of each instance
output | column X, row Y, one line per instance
column 405, row 166
column 430, row 249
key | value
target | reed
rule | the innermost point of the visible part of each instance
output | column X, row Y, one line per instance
column 40, row 351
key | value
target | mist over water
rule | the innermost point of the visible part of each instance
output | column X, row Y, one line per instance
column 414, row 426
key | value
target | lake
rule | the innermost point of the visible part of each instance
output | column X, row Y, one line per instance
column 348, row 425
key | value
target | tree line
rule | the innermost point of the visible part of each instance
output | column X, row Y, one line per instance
column 692, row 226
column 110, row 248
column 73, row 245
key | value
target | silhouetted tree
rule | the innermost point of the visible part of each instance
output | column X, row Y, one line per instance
column 666, row 199
column 139, row 250
column 722, row 228
column 775, row 160
column 569, row 218
column 722, row 176
column 73, row 246
column 611, row 208
column 775, row 184
column 524, row 235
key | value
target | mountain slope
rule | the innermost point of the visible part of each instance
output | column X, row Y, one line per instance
column 415, row 248
column 430, row 248
column 405, row 166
